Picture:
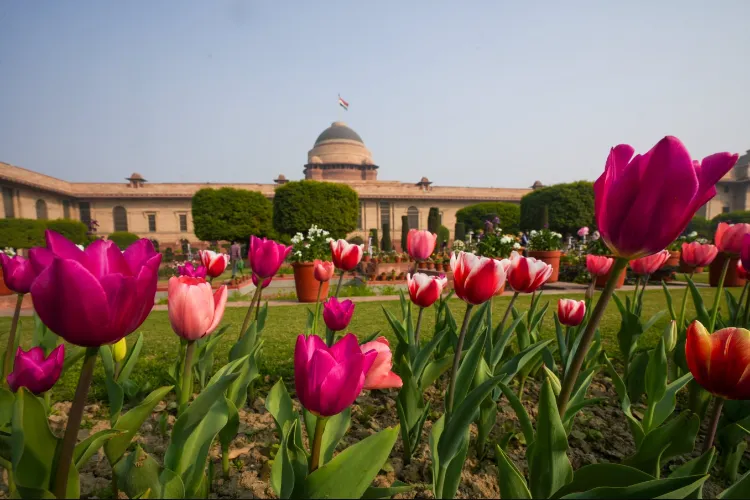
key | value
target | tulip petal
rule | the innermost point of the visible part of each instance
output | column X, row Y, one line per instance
column 63, row 247
column 220, row 302
column 104, row 257
column 122, row 295
column 139, row 254
column 345, row 348
column 40, row 258
column 341, row 385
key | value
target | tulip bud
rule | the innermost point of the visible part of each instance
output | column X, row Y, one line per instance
column 554, row 381
column 670, row 336
column 119, row 350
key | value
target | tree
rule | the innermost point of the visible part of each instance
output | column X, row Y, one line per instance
column 374, row 236
column 404, row 232
column 231, row 214
column 300, row 204
column 474, row 216
column 460, row 234
column 386, row 246
column 569, row 207
column 433, row 220
column 443, row 236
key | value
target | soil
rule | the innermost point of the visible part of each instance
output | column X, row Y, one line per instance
column 600, row 434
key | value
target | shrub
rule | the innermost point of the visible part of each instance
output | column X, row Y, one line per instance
column 231, row 214
column 356, row 240
column 443, row 235
column 386, row 245
column 75, row 231
column 704, row 227
column 474, row 216
column 737, row 217
column 29, row 233
column 374, row 236
column 155, row 242
column 169, row 255
column 433, row 220
column 460, row 232
column 569, row 207
column 123, row 239
column 404, row 231
column 300, row 204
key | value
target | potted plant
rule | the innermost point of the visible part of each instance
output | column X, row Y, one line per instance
column 674, row 253
column 596, row 246
column 305, row 249
column 439, row 264
column 430, row 264
column 545, row 245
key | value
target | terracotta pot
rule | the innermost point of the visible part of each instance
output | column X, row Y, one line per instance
column 686, row 269
column 552, row 258
column 500, row 292
column 673, row 260
column 4, row 290
column 398, row 259
column 439, row 266
column 305, row 283
column 366, row 257
column 601, row 281
column 430, row 266
column 422, row 265
column 714, row 271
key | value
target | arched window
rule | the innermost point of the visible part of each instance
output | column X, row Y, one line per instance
column 120, row 216
column 413, row 214
column 41, row 209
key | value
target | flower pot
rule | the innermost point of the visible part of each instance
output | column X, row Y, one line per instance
column 439, row 266
column 305, row 283
column 398, row 259
column 673, row 260
column 430, row 266
column 714, row 271
column 4, row 290
column 366, row 257
column 500, row 292
column 422, row 265
column 601, row 281
column 552, row 258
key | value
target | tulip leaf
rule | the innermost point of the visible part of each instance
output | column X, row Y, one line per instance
column 673, row 438
column 280, row 406
column 636, row 376
column 350, row 473
column 510, row 368
column 521, row 414
column 139, row 476
column 622, row 392
column 336, row 427
column 656, row 381
column 476, row 325
column 229, row 432
column 237, row 391
column 6, row 409
column 24, row 492
column 670, row 304
column 86, row 448
column 573, row 410
column 423, row 356
column 434, row 370
column 501, row 341
column 131, row 422
column 739, row 490
column 397, row 487
column 665, row 407
column 602, row 475
column 509, row 479
column 33, row 444
column 262, row 315
column 700, row 308
column 447, row 472
column 697, row 466
column 289, row 467
column 42, row 337
column 130, row 360
column 562, row 344
column 656, row 488
column 467, row 369
column 205, row 354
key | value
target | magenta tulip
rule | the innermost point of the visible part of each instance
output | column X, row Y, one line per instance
column 644, row 203
column 266, row 256
column 425, row 290
column 346, row 255
column 649, row 264
column 598, row 265
column 35, row 372
column 337, row 315
column 698, row 255
column 194, row 311
column 741, row 272
column 265, row 284
column 420, row 244
column 584, row 231
column 97, row 296
column 214, row 262
column 729, row 238
column 328, row 380
column 380, row 374
column 17, row 273
column 526, row 274
column 191, row 271
column 571, row 312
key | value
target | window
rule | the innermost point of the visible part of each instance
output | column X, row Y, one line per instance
column 385, row 214
column 120, row 216
column 413, row 215
column 66, row 209
column 10, row 211
column 183, row 223
column 726, row 189
column 725, row 210
column 41, row 209
column 152, row 223
column 84, row 209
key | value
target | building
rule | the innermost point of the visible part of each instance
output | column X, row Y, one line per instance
column 731, row 190
column 163, row 211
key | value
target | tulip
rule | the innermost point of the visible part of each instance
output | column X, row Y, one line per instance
column 583, row 232
column 648, row 265
column 35, row 372
column 265, row 283
column 729, row 237
column 380, row 374
column 598, row 265
column 337, row 315
column 571, row 312
column 346, row 255
column 119, row 350
column 194, row 311
column 215, row 263
column 17, row 273
column 266, row 256
column 526, row 274
column 477, row 279
column 191, row 271
column 633, row 214
column 669, row 336
column 745, row 252
column 698, row 255
column 425, row 290
column 741, row 271
column 323, row 270
column 420, row 244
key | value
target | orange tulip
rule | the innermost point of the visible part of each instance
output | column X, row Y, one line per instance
column 719, row 361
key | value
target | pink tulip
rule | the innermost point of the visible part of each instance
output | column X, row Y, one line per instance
column 328, row 380
column 265, row 284
column 645, row 266
column 191, row 271
column 741, row 271
column 194, row 311
column 97, row 296
column 266, row 256
column 380, row 374
column 571, row 312
column 698, row 255
column 598, row 265
column 425, row 290
column 729, row 237
column 346, row 255
column 477, row 279
column 584, row 231
column 337, row 315
column 215, row 263
column 17, row 273
column 35, row 372
column 644, row 203
column 526, row 274
column 322, row 270
column 420, row 244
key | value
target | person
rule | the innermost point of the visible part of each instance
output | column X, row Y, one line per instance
column 524, row 240
column 235, row 255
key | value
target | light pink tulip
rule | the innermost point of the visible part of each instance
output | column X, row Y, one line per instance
column 380, row 374
column 420, row 244
column 729, row 237
column 323, row 270
column 598, row 265
column 649, row 264
column 194, row 311
column 698, row 255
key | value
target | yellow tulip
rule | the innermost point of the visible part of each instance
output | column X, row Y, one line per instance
column 119, row 350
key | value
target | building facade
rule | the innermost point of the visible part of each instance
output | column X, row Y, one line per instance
column 162, row 211
column 731, row 190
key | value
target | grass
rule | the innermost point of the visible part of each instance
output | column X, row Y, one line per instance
column 161, row 345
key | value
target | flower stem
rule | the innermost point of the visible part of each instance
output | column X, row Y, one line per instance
column 416, row 331
column 505, row 317
column 684, row 303
column 9, row 352
column 717, row 297
column 225, row 460
column 588, row 336
column 708, row 442
column 635, row 292
column 246, row 323
column 74, row 422
column 338, row 287
column 456, row 359
column 317, row 310
column 187, row 377
column 257, row 304
column 591, row 288
column 739, row 303
column 747, row 311
column 320, row 427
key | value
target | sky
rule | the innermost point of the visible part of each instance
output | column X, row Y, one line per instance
column 483, row 93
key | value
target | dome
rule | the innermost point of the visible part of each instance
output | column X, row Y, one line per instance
column 338, row 131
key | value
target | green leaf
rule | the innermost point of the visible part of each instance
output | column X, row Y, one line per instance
column 665, row 407
column 130, row 360
column 139, row 476
column 336, row 427
column 289, row 467
column 237, row 391
column 521, row 414
column 449, row 470
column 603, row 475
column 86, row 448
column 673, row 438
column 562, row 344
column 697, row 466
column 670, row 305
column 423, row 357
column 622, row 392
column 33, row 444
column 739, row 490
column 229, row 432
column 42, row 337
column 509, row 369
column 501, row 341
column 396, row 488
column 279, row 405
column 656, row 380
column 636, row 376
column 467, row 369
column 351, row 472
column 510, row 481
column 700, row 308
column 72, row 356
column 205, row 354
column 656, row 488
column 434, row 370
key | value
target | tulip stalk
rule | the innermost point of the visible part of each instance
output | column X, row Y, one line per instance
column 338, row 286
column 568, row 383
column 747, row 311
column 74, row 422
column 320, row 427
column 717, row 297
column 739, row 302
column 256, row 296
column 317, row 310
column 708, row 441
column 456, row 359
column 9, row 351
column 505, row 316
column 684, row 303
column 416, row 330
column 187, row 377
column 635, row 292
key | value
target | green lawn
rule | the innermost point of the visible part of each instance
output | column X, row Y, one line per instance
column 286, row 322
column 697, row 278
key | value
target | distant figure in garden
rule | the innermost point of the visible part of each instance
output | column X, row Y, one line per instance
column 235, row 255
column 524, row 242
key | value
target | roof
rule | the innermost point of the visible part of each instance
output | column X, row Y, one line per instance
column 338, row 131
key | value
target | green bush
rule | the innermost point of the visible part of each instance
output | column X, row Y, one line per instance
column 433, row 220
column 300, row 204
column 474, row 216
column 704, row 227
column 76, row 231
column 123, row 239
column 231, row 214
column 356, row 240
column 443, row 235
column 29, row 233
column 460, row 234
column 386, row 245
column 570, row 207
column 374, row 236
column 404, row 231
column 737, row 217
column 169, row 255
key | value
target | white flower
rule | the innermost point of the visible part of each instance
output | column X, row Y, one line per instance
column 9, row 252
column 533, row 233
column 506, row 239
column 328, row 240
column 516, row 246
column 693, row 234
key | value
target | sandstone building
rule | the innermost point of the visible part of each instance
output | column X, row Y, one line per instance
column 731, row 190
column 163, row 211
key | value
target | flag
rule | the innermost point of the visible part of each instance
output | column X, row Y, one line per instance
column 343, row 104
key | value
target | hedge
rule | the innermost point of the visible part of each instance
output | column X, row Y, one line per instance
column 704, row 227
column 298, row 205
column 443, row 236
column 433, row 220
column 460, row 234
column 404, row 232
column 570, row 207
column 123, row 239
column 474, row 216
column 386, row 245
column 231, row 214
column 29, row 233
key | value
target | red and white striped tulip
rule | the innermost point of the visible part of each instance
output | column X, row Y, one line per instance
column 215, row 263
column 425, row 290
column 346, row 255
column 526, row 274
column 571, row 312
column 476, row 279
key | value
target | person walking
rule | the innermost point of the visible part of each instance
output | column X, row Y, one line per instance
column 235, row 255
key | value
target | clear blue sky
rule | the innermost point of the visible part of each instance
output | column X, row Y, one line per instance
column 488, row 93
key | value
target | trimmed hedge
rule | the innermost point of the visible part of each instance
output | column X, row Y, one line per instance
column 123, row 239
column 704, row 227
column 460, row 234
column 29, row 233
column 474, row 216
column 433, row 220
column 386, row 245
column 443, row 236
column 404, row 231
column 231, row 214
column 298, row 205
column 570, row 207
